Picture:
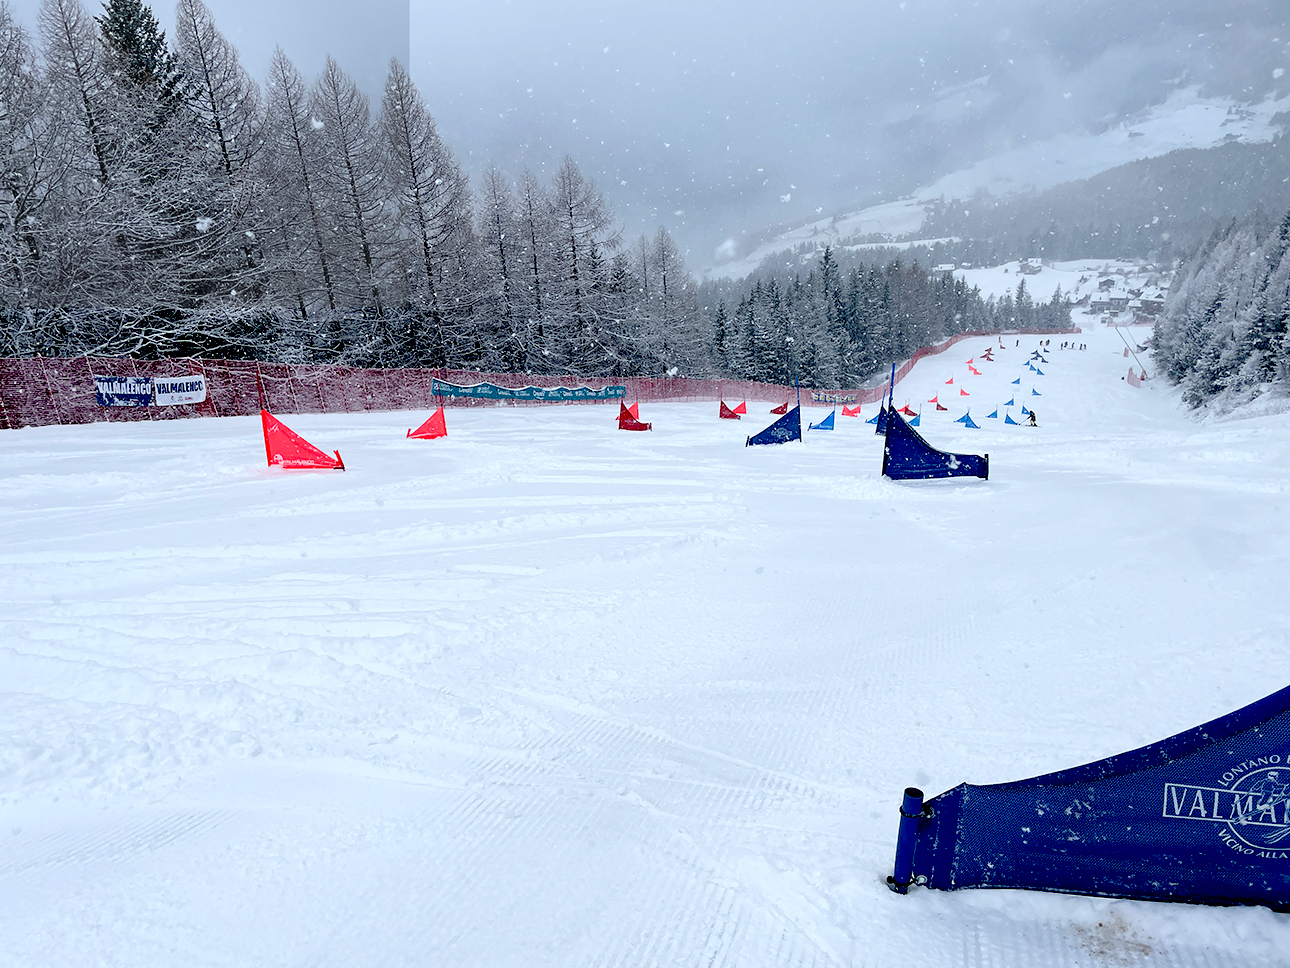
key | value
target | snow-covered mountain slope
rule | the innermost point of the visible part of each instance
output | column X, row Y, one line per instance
column 1185, row 120
column 545, row 693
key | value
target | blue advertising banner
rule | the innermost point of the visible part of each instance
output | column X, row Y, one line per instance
column 1202, row 817
column 123, row 391
column 490, row 391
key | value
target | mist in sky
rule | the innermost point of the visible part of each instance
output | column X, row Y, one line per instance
column 723, row 120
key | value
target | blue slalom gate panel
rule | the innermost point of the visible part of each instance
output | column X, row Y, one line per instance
column 881, row 427
column 1011, row 403
column 1024, row 411
column 1201, row 817
column 825, row 424
column 877, row 417
column 907, row 456
column 967, row 421
column 1017, row 380
column 786, row 428
column 1039, row 371
column 918, row 418
column 1007, row 418
column 993, row 416
column 1035, row 393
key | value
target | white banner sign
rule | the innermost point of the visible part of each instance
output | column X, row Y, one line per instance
column 180, row 389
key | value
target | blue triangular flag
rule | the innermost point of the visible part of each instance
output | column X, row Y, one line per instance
column 1007, row 418
column 966, row 421
column 1010, row 403
column 1024, row 411
column 993, row 416
column 1039, row 371
column 1017, row 380
column 825, row 424
column 1035, row 393
column 915, row 421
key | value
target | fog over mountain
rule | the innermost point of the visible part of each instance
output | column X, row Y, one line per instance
column 726, row 121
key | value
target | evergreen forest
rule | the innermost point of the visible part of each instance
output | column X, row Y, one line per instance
column 157, row 201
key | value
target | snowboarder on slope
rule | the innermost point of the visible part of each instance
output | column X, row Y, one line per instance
column 1032, row 418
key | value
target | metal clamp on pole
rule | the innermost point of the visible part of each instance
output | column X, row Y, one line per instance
column 911, row 811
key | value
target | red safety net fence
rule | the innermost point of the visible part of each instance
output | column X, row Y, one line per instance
column 38, row 391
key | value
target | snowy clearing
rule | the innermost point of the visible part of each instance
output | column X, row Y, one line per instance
column 545, row 693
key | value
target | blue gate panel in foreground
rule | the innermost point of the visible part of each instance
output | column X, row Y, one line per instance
column 786, row 428
column 907, row 456
column 1202, row 817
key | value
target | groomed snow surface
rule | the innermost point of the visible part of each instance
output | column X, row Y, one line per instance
column 547, row 693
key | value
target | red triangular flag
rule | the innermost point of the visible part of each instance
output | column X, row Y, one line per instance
column 782, row 408
column 975, row 370
column 964, row 393
column 934, row 400
column 635, row 410
column 846, row 411
column 287, row 449
column 436, row 426
column 949, row 381
column 906, row 411
column 939, row 407
column 726, row 413
column 741, row 409
column 971, row 361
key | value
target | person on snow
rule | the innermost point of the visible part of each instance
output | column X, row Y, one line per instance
column 1032, row 418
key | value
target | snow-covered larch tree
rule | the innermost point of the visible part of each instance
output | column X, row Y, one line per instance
column 431, row 201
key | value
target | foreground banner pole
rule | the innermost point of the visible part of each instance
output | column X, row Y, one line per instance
column 911, row 811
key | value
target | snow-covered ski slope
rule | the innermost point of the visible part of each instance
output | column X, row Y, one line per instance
column 545, row 693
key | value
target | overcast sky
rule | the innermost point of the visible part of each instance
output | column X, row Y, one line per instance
column 724, row 118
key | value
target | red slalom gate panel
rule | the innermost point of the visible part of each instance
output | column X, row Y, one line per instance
column 781, row 409
column 285, row 448
column 741, row 409
column 627, row 420
column 436, row 426
column 848, row 412
column 635, row 410
column 726, row 413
